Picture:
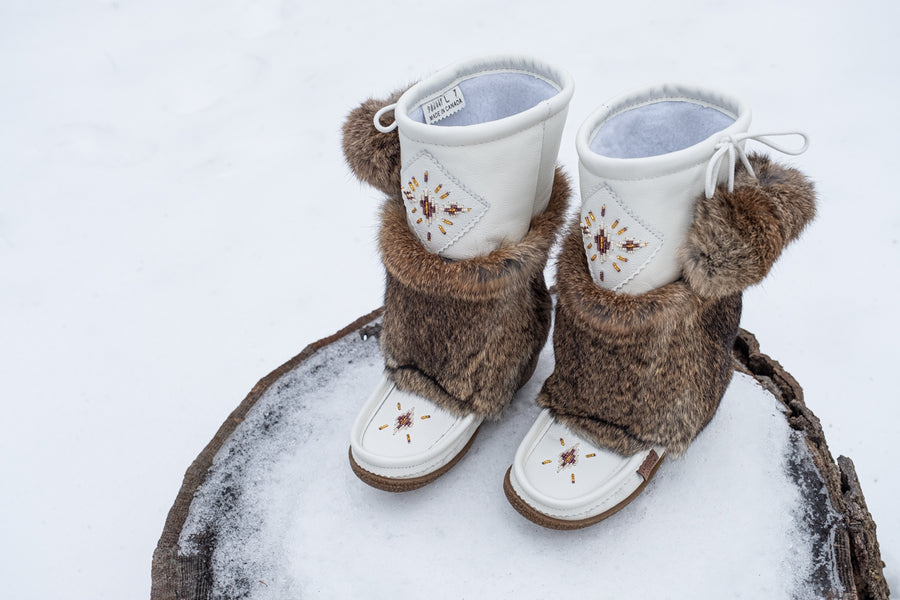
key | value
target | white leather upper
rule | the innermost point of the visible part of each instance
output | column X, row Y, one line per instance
column 618, row 242
column 440, row 209
column 506, row 164
column 564, row 476
column 657, row 190
column 401, row 435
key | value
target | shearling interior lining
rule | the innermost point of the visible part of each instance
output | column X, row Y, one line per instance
column 658, row 128
column 493, row 96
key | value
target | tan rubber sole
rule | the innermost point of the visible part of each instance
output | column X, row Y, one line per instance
column 390, row 484
column 535, row 516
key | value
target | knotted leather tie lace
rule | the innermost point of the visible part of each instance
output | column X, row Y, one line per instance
column 731, row 147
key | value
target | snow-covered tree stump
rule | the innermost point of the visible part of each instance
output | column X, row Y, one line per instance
column 857, row 556
column 757, row 507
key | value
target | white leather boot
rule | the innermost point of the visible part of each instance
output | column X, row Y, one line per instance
column 478, row 144
column 643, row 161
column 635, row 377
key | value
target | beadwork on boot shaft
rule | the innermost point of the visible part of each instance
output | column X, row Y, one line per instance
column 426, row 203
column 439, row 209
column 599, row 241
column 618, row 245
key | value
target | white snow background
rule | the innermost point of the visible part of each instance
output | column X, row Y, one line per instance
column 176, row 221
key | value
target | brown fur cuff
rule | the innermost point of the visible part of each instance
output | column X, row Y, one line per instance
column 467, row 334
column 736, row 237
column 637, row 371
column 373, row 156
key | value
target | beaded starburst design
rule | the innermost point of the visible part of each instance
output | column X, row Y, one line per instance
column 568, row 458
column 427, row 205
column 404, row 421
column 608, row 243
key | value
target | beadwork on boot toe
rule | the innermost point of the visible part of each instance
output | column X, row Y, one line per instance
column 401, row 441
column 563, row 481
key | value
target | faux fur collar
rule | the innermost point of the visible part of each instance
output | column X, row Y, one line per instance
column 478, row 278
column 737, row 236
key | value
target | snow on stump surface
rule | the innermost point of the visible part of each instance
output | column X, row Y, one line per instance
column 757, row 507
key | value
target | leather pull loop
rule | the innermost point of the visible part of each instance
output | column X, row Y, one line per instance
column 377, row 119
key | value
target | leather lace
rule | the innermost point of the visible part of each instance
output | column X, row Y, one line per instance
column 731, row 147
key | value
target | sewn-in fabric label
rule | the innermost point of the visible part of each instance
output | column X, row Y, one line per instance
column 647, row 466
column 442, row 106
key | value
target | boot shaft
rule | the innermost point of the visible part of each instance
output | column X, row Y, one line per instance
column 643, row 158
column 478, row 143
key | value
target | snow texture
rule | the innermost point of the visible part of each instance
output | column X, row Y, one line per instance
column 289, row 519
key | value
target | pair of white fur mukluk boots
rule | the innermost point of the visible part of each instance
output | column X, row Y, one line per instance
column 675, row 221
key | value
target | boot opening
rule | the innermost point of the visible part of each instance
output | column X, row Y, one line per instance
column 658, row 128
column 484, row 97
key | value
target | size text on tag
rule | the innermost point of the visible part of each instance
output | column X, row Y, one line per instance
column 440, row 107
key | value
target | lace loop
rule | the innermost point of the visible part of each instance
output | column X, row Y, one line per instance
column 732, row 147
column 377, row 119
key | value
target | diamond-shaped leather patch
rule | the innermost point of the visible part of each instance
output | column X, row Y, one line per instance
column 439, row 208
column 618, row 246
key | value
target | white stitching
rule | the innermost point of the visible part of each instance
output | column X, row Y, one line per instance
column 660, row 239
column 487, row 205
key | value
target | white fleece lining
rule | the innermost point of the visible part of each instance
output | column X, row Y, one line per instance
column 493, row 96
column 658, row 128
